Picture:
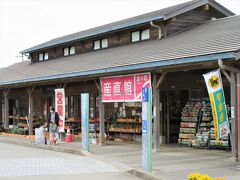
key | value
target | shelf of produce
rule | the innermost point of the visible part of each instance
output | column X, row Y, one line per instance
column 121, row 130
column 25, row 125
column 17, row 117
column 130, row 122
column 72, row 121
column 127, row 120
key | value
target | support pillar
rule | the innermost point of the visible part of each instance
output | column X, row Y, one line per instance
column 101, row 120
column 156, row 110
column 30, row 109
column 238, row 110
column 156, row 115
column 6, row 109
column 101, row 116
column 234, row 120
column 234, row 129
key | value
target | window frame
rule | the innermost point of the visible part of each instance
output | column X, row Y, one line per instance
column 100, row 47
column 69, row 51
column 70, row 54
column 140, row 35
column 43, row 54
column 100, row 44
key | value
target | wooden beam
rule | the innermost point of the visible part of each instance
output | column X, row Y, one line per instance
column 97, row 84
column 160, row 80
column 172, row 20
column 234, row 135
column 205, row 7
column 65, row 85
column 101, row 120
column 226, row 75
column 156, row 115
column 238, row 113
column 101, row 116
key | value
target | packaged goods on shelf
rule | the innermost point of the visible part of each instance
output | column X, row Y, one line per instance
column 205, row 124
column 185, row 124
column 126, row 120
column 218, row 143
column 183, row 135
column 189, row 121
column 201, row 139
column 185, row 141
column 188, row 130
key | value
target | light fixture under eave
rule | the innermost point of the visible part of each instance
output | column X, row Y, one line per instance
column 173, row 87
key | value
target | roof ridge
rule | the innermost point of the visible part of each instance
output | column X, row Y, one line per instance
column 202, row 23
column 155, row 11
column 160, row 14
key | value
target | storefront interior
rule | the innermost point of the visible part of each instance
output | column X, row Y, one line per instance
column 122, row 119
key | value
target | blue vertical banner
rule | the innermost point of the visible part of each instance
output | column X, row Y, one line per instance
column 147, row 129
column 85, row 121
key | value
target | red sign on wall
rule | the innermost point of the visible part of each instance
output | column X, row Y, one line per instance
column 124, row 88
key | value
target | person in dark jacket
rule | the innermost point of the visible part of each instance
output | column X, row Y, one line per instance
column 53, row 123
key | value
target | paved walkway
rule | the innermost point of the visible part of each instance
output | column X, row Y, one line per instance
column 170, row 162
column 20, row 162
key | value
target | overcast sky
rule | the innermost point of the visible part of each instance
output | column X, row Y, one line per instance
column 25, row 23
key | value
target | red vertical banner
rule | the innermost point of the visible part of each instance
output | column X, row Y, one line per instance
column 60, row 107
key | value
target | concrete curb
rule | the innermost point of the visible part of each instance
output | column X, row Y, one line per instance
column 143, row 175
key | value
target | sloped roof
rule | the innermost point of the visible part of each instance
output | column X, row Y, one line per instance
column 163, row 14
column 213, row 37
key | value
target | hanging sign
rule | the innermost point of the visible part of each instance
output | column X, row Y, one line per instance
column 147, row 129
column 213, row 81
column 124, row 88
column 85, row 121
column 60, row 107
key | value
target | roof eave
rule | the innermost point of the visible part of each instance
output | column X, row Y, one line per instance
column 147, row 65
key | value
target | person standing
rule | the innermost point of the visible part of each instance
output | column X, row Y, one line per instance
column 53, row 123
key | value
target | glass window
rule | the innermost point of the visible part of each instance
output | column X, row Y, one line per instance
column 145, row 34
column 40, row 57
column 66, row 52
column 97, row 45
column 46, row 56
column 135, row 36
column 72, row 50
column 104, row 43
